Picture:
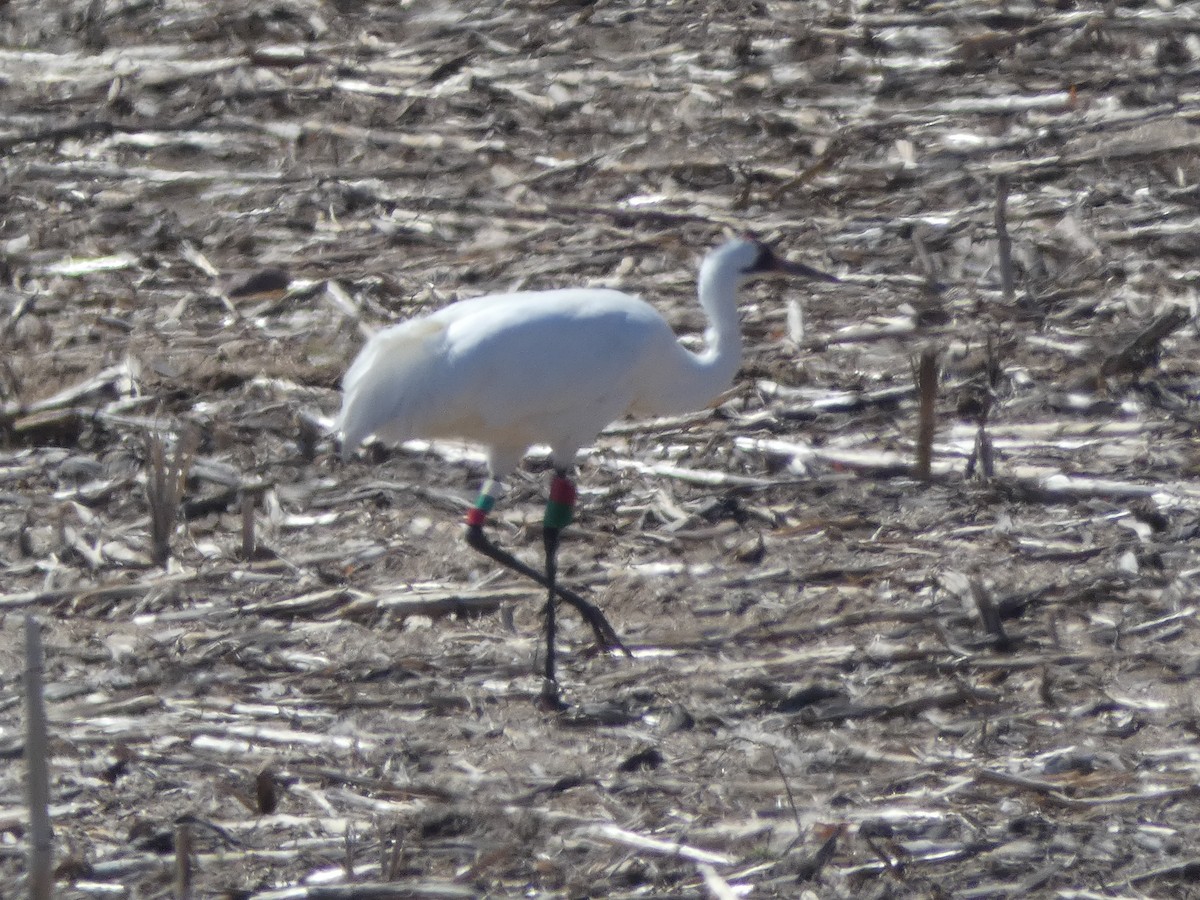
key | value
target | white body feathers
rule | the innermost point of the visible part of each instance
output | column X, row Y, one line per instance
column 541, row 367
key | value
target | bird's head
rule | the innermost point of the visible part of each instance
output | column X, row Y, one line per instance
column 760, row 259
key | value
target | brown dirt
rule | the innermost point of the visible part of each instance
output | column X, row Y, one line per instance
column 821, row 700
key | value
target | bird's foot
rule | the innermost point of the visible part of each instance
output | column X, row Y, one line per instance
column 549, row 700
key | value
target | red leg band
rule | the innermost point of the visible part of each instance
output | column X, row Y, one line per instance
column 562, row 490
column 562, row 501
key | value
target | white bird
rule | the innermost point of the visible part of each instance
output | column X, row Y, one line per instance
column 547, row 367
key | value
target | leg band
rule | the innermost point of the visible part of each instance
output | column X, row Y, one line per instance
column 559, row 509
column 478, row 513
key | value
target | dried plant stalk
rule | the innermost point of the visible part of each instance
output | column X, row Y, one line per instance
column 1144, row 349
column 983, row 460
column 37, row 754
column 164, row 489
column 391, row 854
column 1003, row 242
column 309, row 433
column 248, row 539
column 183, row 862
column 927, row 376
column 989, row 616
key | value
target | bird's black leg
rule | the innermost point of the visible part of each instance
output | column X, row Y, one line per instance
column 550, row 698
column 606, row 637
column 559, row 509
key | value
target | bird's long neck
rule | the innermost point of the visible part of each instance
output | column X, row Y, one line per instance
column 703, row 376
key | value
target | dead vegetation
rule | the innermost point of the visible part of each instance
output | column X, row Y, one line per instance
column 847, row 680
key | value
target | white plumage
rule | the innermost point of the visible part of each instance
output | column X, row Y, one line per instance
column 550, row 367
column 545, row 367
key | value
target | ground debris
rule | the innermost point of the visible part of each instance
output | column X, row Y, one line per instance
column 287, row 677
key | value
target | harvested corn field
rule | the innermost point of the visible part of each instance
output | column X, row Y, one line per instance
column 865, row 665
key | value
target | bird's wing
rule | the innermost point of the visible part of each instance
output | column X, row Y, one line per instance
column 553, row 367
